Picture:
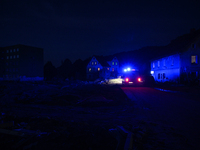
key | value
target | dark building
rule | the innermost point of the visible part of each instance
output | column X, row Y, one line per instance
column 21, row 62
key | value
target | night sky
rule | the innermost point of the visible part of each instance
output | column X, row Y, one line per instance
column 80, row 29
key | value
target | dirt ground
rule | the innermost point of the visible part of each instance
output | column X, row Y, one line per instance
column 64, row 116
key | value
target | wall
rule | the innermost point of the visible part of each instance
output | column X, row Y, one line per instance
column 168, row 68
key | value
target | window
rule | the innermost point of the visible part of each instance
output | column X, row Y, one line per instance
column 116, row 63
column 193, row 45
column 194, row 59
column 172, row 61
column 113, row 69
column 6, row 64
column 153, row 65
column 95, row 63
column 14, row 56
column 98, row 69
column 17, row 49
column 108, row 68
column 90, row 69
column 7, row 57
column 92, row 63
column 158, row 63
column 17, row 56
column 13, row 69
column 10, row 57
column 163, row 75
column 164, row 64
column 11, row 50
column 159, row 76
column 113, row 63
column 7, row 51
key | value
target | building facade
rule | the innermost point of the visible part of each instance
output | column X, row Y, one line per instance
column 181, row 67
column 98, row 67
column 21, row 62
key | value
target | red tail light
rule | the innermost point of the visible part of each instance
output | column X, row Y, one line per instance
column 127, row 80
column 139, row 79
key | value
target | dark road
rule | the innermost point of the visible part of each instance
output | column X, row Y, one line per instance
column 176, row 116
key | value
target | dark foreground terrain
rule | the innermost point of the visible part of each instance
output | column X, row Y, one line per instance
column 62, row 115
column 88, row 116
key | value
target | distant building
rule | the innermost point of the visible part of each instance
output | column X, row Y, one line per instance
column 21, row 62
column 181, row 62
column 98, row 67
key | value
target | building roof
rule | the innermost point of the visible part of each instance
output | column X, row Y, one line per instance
column 178, row 45
column 102, row 61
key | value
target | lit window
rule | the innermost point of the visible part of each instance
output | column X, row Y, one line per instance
column 153, row 65
column 10, row 57
column 116, row 63
column 7, row 51
column 90, row 69
column 17, row 49
column 11, row 50
column 159, row 76
column 7, row 57
column 113, row 69
column 14, row 56
column 113, row 63
column 95, row 63
column 158, row 63
column 17, row 56
column 194, row 59
column 98, row 69
column 107, row 68
column 92, row 63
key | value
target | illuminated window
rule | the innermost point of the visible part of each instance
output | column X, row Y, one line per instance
column 14, row 56
column 153, row 65
column 10, row 57
column 90, row 69
column 98, row 69
column 92, row 63
column 194, row 59
column 17, row 56
column 116, row 63
column 159, row 76
column 11, row 50
column 113, row 69
column 7, row 51
column 158, row 63
column 113, row 63
column 107, row 68
column 17, row 49
column 7, row 57
column 95, row 63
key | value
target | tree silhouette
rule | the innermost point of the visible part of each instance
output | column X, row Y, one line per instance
column 49, row 71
